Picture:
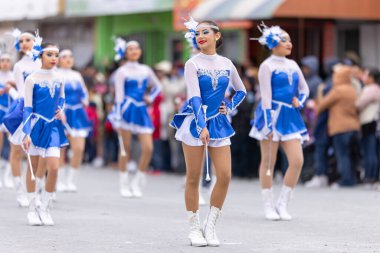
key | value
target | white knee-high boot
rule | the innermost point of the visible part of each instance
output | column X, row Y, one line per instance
column 283, row 201
column 269, row 209
column 195, row 235
column 209, row 226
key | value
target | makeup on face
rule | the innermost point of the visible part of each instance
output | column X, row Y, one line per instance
column 133, row 52
column 66, row 59
column 49, row 57
column 26, row 43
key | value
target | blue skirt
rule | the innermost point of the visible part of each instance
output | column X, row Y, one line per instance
column 13, row 118
column 135, row 117
column 77, row 120
column 2, row 114
column 46, row 135
column 218, row 125
column 287, row 121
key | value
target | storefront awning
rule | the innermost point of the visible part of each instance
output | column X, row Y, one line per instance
column 236, row 10
column 224, row 10
column 330, row 9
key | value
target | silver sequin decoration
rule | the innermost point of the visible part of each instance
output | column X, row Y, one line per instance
column 213, row 74
column 51, row 85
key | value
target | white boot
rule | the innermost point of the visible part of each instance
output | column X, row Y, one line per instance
column 136, row 184
column 21, row 197
column 33, row 214
column 209, row 227
column 44, row 210
column 282, row 202
column 317, row 182
column 61, row 180
column 124, row 185
column 269, row 209
column 8, row 181
column 195, row 235
column 71, row 187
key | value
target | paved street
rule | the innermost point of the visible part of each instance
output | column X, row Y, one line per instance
column 98, row 220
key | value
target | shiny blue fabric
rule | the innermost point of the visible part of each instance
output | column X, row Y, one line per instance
column 137, row 115
column 44, row 134
column 4, row 99
column 27, row 120
column 199, row 121
column 13, row 118
column 212, row 94
column 76, row 118
column 46, row 100
column 135, row 89
column 289, row 119
column 236, row 100
column 74, row 94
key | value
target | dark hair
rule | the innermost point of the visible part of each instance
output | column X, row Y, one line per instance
column 219, row 42
column 47, row 44
column 375, row 74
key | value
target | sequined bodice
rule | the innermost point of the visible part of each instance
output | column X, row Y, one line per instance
column 45, row 97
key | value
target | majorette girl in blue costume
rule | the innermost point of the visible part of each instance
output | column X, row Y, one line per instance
column 6, row 82
column 278, row 118
column 130, row 115
column 12, row 120
column 77, row 124
column 202, row 127
column 42, row 132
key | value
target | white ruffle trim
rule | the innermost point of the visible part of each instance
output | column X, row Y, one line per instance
column 258, row 135
column 44, row 152
column 136, row 129
column 183, row 134
column 82, row 133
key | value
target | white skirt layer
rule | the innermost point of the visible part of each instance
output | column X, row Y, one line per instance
column 135, row 129
column 183, row 134
column 49, row 152
column 77, row 133
column 258, row 135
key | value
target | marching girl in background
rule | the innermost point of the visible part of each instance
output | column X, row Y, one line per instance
column 131, row 117
column 6, row 80
column 201, row 126
column 278, row 119
column 42, row 131
column 78, row 126
column 13, row 119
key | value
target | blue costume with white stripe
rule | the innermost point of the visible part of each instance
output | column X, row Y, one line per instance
column 21, row 70
column 44, row 95
column 280, row 81
column 5, row 99
column 131, row 83
column 76, row 97
column 207, row 78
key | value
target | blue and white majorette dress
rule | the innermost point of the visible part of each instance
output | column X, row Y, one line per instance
column 44, row 95
column 131, row 82
column 207, row 78
column 280, row 81
column 21, row 70
column 76, row 98
column 5, row 99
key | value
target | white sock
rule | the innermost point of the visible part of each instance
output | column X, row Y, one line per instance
column 39, row 184
column 17, row 181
